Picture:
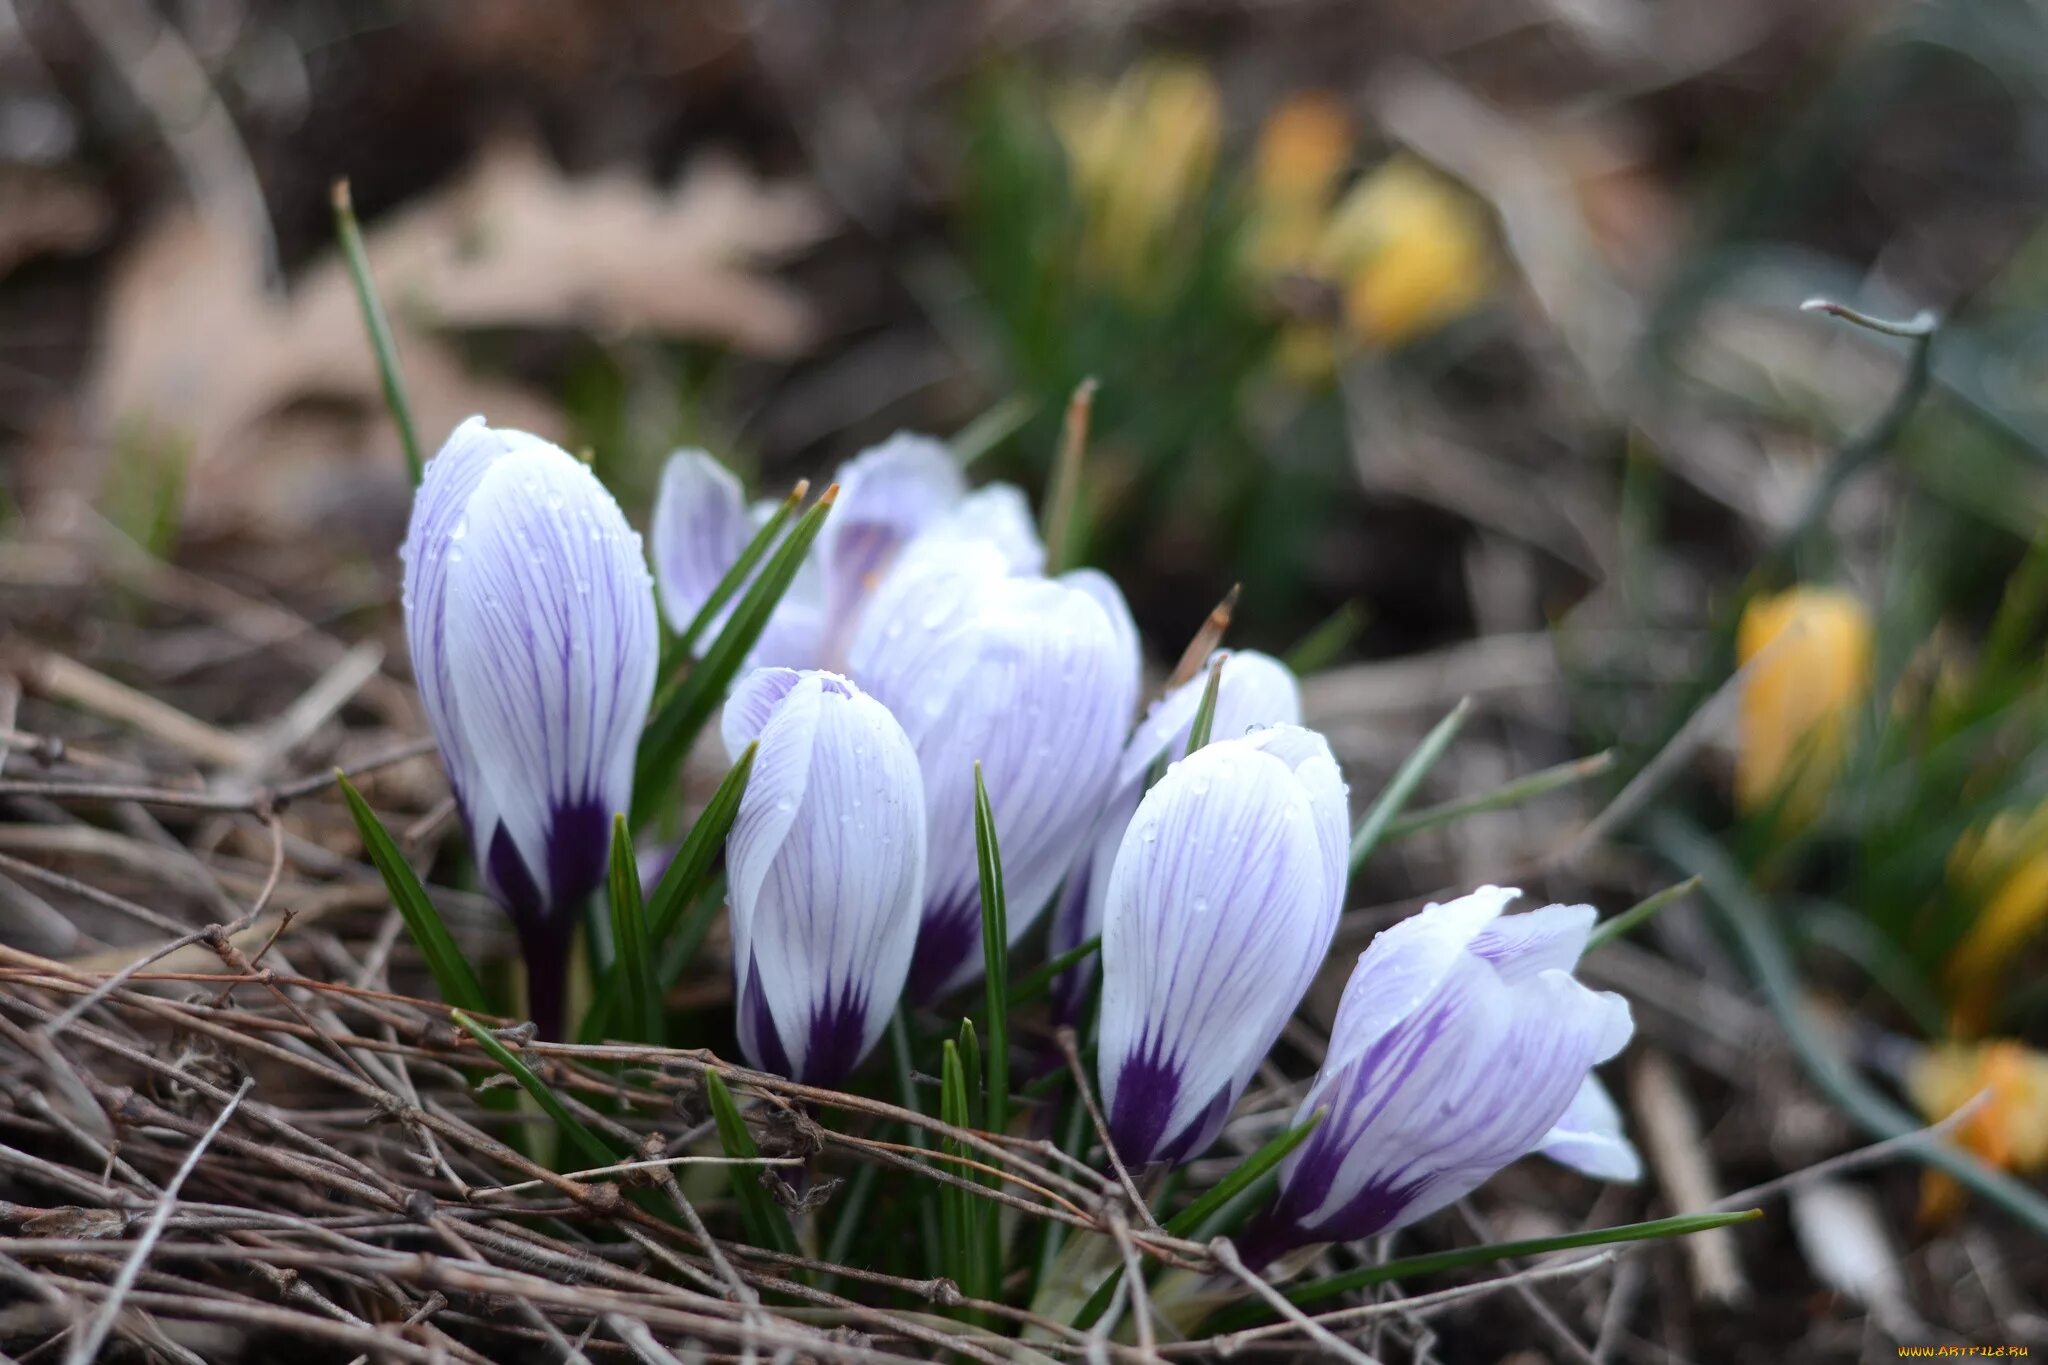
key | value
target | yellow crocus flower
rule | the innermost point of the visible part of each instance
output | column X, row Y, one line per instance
column 2001, row 869
column 1303, row 148
column 1410, row 250
column 1808, row 655
column 2009, row 1130
column 1141, row 153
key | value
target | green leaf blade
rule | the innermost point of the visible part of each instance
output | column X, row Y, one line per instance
column 632, row 976
column 995, row 953
column 1409, row 776
column 766, row 1224
column 452, row 972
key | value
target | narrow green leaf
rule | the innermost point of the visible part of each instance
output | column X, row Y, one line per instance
column 766, row 1225
column 1321, row 647
column 379, row 327
column 928, row 1207
column 756, row 549
column 992, row 428
column 1412, row 771
column 675, row 955
column 995, row 955
column 594, row 1149
column 686, row 872
column 452, row 972
column 1205, row 710
column 1184, row 1223
column 632, row 974
column 1410, row 1267
column 1064, row 493
column 683, row 710
column 1190, row 1219
column 1040, row 981
column 958, row 1210
column 1639, row 914
column 1539, row 783
column 969, row 1045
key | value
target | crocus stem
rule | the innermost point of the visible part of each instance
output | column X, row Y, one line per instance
column 545, row 945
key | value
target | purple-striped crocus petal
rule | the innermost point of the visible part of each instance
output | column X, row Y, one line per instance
column 1000, row 514
column 1218, row 913
column 1536, row 940
column 700, row 526
column 825, row 864
column 887, row 494
column 1027, row 676
column 1588, row 1137
column 551, row 643
column 1256, row 690
column 1443, row 1068
column 435, row 528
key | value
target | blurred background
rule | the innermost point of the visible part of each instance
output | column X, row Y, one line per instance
column 1466, row 336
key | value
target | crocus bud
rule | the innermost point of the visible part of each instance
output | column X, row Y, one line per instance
column 1034, row 678
column 1254, row 690
column 1808, row 656
column 890, row 495
column 825, row 866
column 531, row 621
column 1220, row 907
column 1462, row 1043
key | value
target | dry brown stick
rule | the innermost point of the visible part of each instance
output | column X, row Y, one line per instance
column 1207, row 637
column 1227, row 1257
column 1072, row 1051
column 85, row 1347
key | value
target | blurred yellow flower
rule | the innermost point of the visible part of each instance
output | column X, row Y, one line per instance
column 1811, row 650
column 1141, row 152
column 1303, row 149
column 2000, row 870
column 1411, row 251
column 2009, row 1130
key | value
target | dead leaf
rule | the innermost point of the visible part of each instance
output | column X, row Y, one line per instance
column 274, row 402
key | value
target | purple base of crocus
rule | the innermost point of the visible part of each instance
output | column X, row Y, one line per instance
column 834, row 1043
column 1147, row 1087
column 1279, row 1229
column 579, row 840
column 949, row 937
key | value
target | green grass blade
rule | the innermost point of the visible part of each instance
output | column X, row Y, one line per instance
column 1205, row 710
column 1038, row 982
column 379, row 327
column 452, row 972
column 1412, row 771
column 992, row 428
column 969, row 1045
column 766, row 1224
column 1539, row 783
column 1063, row 496
column 958, row 1210
column 995, row 955
column 1639, row 914
column 1410, row 1267
column 755, row 551
column 928, row 1209
column 686, row 873
column 683, row 710
column 1183, row 1224
column 1242, row 1176
column 1323, row 646
column 594, row 1149
column 632, row 974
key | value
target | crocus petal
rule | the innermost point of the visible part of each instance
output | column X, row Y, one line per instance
column 1029, row 678
column 1455, row 1051
column 999, row 514
column 700, row 526
column 887, row 494
column 825, row 864
column 1219, row 911
column 1256, row 690
column 437, row 515
column 1589, row 1139
column 551, row 643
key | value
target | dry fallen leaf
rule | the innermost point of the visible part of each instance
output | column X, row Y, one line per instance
column 274, row 401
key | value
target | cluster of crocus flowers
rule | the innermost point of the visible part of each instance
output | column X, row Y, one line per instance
column 1999, row 875
column 1405, row 250
column 1463, row 1043
column 2008, row 1082
column 1215, row 876
column 1806, row 656
column 531, row 620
